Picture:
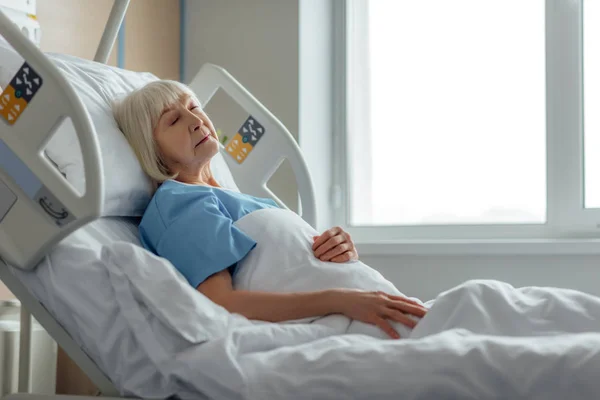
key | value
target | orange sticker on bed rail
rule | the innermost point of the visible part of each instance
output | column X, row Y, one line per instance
column 10, row 105
column 238, row 149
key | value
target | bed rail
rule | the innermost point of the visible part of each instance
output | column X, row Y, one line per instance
column 38, row 206
column 262, row 143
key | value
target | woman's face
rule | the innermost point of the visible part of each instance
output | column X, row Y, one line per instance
column 186, row 137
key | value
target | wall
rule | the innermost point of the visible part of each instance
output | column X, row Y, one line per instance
column 75, row 27
column 152, row 37
column 257, row 42
column 426, row 276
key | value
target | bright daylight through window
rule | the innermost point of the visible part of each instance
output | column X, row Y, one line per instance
column 455, row 113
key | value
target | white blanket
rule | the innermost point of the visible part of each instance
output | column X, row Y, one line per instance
column 550, row 348
column 283, row 261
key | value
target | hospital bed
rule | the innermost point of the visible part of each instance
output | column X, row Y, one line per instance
column 39, row 207
column 70, row 201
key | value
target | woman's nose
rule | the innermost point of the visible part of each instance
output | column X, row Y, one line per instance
column 195, row 125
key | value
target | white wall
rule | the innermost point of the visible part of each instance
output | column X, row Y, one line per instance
column 257, row 42
column 427, row 276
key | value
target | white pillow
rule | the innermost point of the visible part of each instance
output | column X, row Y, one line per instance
column 127, row 189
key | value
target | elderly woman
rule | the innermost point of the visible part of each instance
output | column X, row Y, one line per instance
column 174, row 141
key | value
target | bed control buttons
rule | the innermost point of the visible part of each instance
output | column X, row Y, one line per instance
column 19, row 93
column 53, row 207
column 26, row 82
column 238, row 149
column 10, row 105
column 245, row 139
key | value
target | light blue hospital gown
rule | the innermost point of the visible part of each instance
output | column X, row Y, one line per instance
column 192, row 227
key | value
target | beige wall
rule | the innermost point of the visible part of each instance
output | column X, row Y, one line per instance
column 151, row 32
column 152, row 37
column 73, row 26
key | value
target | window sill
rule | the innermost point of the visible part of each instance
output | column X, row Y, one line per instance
column 482, row 247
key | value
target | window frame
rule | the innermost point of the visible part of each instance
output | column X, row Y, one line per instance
column 566, row 215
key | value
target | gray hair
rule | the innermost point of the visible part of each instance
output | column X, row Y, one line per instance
column 137, row 116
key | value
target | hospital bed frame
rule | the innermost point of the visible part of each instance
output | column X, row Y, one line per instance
column 251, row 176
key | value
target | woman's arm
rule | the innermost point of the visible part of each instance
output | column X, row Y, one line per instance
column 265, row 306
column 371, row 307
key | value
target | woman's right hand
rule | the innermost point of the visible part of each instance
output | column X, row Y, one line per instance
column 377, row 308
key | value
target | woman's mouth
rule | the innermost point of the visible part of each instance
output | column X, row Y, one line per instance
column 203, row 140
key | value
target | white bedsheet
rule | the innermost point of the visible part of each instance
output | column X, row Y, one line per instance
column 198, row 350
column 283, row 261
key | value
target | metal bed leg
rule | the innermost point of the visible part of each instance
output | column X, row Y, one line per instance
column 25, row 351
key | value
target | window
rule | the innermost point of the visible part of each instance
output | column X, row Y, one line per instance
column 464, row 119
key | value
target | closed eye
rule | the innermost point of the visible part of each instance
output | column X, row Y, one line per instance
column 174, row 121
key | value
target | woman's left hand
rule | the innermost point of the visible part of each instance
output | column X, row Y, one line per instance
column 334, row 245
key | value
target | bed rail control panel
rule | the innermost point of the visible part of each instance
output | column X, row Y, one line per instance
column 38, row 207
column 18, row 93
column 240, row 146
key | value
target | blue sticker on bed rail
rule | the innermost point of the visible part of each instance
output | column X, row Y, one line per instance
column 245, row 139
